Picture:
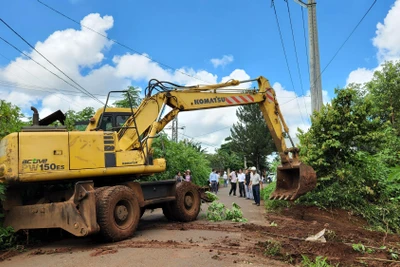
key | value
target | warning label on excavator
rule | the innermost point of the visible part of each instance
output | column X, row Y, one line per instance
column 33, row 165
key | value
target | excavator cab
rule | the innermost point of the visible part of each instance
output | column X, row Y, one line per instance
column 293, row 180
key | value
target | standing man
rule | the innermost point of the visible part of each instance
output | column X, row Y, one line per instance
column 241, row 179
column 256, row 185
column 225, row 176
column 213, row 181
column 233, row 179
column 249, row 191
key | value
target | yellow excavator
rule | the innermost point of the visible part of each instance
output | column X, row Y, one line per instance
column 105, row 165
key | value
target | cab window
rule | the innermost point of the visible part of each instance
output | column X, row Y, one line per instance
column 106, row 123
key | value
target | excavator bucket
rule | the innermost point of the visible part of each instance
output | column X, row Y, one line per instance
column 293, row 181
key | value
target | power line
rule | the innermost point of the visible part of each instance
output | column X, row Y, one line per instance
column 284, row 52
column 305, row 42
column 41, row 88
column 19, row 50
column 118, row 43
column 212, row 132
column 345, row 41
column 31, row 46
column 199, row 141
column 297, row 57
column 35, row 76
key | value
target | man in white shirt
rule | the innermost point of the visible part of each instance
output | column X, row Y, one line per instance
column 256, row 185
column 241, row 179
column 225, row 176
column 233, row 178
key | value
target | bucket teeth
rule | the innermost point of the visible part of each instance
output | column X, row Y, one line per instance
column 294, row 181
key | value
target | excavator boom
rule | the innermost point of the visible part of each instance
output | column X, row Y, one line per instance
column 101, row 153
column 293, row 178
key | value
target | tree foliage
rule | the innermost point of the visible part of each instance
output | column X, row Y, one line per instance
column 384, row 89
column 352, row 148
column 75, row 116
column 10, row 118
column 224, row 158
column 180, row 157
column 125, row 103
column 251, row 137
column 195, row 145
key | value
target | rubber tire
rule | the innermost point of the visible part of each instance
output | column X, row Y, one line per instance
column 107, row 201
column 179, row 210
column 99, row 191
column 169, row 210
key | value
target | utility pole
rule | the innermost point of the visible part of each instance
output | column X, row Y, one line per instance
column 175, row 129
column 315, row 68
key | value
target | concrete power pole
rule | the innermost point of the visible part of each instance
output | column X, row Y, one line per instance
column 315, row 69
column 175, row 129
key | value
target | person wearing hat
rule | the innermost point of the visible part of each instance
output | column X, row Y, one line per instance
column 256, row 185
column 188, row 176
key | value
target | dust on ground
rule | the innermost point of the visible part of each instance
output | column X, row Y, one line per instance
column 267, row 239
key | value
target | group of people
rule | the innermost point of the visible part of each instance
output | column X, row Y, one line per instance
column 187, row 176
column 250, row 183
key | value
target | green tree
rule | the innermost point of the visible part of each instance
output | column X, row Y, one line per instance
column 135, row 98
column 353, row 152
column 72, row 117
column 384, row 91
column 10, row 118
column 180, row 157
column 195, row 145
column 225, row 158
column 251, row 137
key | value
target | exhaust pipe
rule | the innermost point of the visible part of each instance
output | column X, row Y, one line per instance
column 35, row 118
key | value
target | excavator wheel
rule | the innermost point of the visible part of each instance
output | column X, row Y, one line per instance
column 118, row 213
column 186, row 207
column 99, row 191
column 170, row 212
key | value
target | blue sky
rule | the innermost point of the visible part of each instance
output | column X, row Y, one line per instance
column 188, row 34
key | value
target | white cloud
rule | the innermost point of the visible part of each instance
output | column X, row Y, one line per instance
column 386, row 40
column 360, row 75
column 225, row 60
column 76, row 50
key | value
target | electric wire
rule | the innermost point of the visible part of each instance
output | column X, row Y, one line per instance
column 345, row 41
column 119, row 43
column 212, row 132
column 19, row 50
column 198, row 140
column 81, row 88
column 284, row 52
column 297, row 57
column 38, row 78
column 33, row 87
column 305, row 42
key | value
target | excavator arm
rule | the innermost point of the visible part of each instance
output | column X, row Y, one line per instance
column 293, row 178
